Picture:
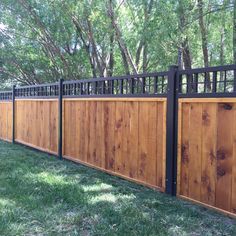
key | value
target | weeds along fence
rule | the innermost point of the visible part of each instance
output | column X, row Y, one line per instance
column 174, row 131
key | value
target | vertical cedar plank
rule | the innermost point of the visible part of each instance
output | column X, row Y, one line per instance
column 160, row 140
column 37, row 121
column 209, row 122
column 63, row 127
column 16, row 119
column 92, row 133
column 98, row 157
column 131, row 110
column 46, row 125
column 72, row 123
column 77, row 129
column 163, row 135
column 142, row 141
column 1, row 124
column 195, row 150
column 185, row 129
column 224, row 156
column 233, row 197
column 1, row 119
column 82, row 131
column 147, row 142
column 9, row 121
column 22, row 125
column 5, row 120
column 54, row 127
column 125, row 139
column 42, row 131
column 119, row 168
column 102, row 135
column 152, row 144
column 109, row 129
column 86, row 135
column 179, row 139
column 129, row 141
column 66, row 139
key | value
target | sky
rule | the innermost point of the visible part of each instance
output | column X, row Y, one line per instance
column 2, row 26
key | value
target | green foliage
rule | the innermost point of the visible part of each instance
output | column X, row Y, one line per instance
column 41, row 41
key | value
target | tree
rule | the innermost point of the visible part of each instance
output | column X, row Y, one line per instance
column 203, row 34
column 185, row 50
column 42, row 41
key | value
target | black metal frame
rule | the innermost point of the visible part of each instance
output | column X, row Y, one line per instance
column 60, row 106
column 171, row 132
column 13, row 113
column 173, row 84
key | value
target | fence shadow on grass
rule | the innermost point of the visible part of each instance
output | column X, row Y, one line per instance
column 40, row 194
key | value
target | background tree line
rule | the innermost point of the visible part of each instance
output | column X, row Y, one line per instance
column 41, row 41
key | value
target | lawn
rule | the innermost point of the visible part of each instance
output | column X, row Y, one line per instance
column 40, row 195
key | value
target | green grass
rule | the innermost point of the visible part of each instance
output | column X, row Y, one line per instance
column 40, row 195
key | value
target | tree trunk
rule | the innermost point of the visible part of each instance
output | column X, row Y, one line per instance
column 179, row 59
column 122, row 45
column 185, row 50
column 203, row 34
column 145, row 57
column 222, row 48
column 204, row 42
column 111, row 56
column 186, row 54
column 85, row 45
column 94, row 50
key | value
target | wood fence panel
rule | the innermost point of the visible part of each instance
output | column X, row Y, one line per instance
column 6, row 120
column 36, row 124
column 125, row 137
column 206, row 156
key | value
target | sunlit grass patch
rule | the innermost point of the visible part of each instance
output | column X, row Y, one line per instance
column 40, row 195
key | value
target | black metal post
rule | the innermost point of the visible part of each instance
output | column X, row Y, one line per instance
column 60, row 96
column 13, row 113
column 171, row 135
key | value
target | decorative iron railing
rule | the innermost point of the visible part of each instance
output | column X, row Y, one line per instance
column 211, row 81
column 42, row 90
column 5, row 95
column 202, row 82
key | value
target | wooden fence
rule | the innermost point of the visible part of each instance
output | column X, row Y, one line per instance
column 174, row 131
column 125, row 137
column 6, row 120
column 207, row 151
column 36, row 124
